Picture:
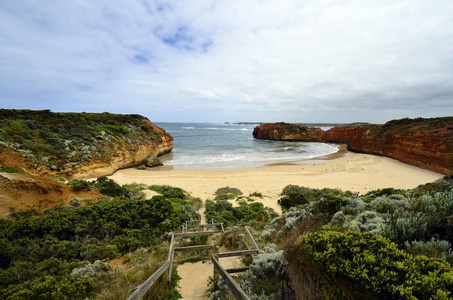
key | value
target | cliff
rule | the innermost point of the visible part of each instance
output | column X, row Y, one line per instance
column 78, row 145
column 288, row 132
column 426, row 143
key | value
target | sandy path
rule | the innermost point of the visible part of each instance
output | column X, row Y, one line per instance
column 194, row 282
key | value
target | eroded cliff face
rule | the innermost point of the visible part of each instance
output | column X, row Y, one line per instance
column 78, row 145
column 23, row 191
column 425, row 143
column 121, row 156
column 288, row 132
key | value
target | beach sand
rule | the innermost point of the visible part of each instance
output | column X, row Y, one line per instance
column 344, row 170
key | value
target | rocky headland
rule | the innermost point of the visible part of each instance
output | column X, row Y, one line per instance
column 78, row 145
column 425, row 143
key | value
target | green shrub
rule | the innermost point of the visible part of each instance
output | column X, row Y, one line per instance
column 294, row 195
column 377, row 265
column 79, row 184
column 169, row 191
column 42, row 251
column 228, row 190
column 266, row 273
column 222, row 211
column 256, row 194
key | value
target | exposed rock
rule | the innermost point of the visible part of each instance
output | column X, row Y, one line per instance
column 152, row 161
column 426, row 143
column 341, row 134
column 23, row 191
column 288, row 132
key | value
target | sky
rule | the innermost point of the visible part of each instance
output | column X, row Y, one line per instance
column 230, row 61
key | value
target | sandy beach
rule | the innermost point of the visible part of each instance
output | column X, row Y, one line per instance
column 344, row 170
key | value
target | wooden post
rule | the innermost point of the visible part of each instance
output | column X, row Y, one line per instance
column 233, row 241
column 230, row 293
column 171, row 253
column 210, row 244
column 212, row 259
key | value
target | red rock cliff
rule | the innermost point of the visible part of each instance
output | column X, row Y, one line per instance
column 426, row 143
column 288, row 132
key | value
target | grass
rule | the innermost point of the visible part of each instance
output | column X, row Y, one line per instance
column 7, row 169
column 141, row 264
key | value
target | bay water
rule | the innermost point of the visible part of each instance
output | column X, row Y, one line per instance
column 232, row 146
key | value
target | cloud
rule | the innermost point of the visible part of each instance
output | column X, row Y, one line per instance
column 206, row 60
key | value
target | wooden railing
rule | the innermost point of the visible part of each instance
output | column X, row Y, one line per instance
column 233, row 287
column 166, row 268
column 142, row 289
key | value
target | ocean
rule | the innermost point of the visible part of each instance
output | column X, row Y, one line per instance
column 232, row 146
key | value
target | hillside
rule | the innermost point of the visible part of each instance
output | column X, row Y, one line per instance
column 78, row 145
column 23, row 192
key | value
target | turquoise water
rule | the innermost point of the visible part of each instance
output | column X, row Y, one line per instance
column 232, row 146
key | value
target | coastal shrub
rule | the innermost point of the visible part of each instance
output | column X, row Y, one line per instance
column 228, row 190
column 79, row 184
column 256, row 194
column 266, row 273
column 366, row 221
column 294, row 195
column 92, row 270
column 222, row 211
column 441, row 185
column 294, row 216
column 382, row 193
column 375, row 264
column 329, row 203
column 174, row 192
column 225, row 197
column 23, row 213
column 169, row 191
column 110, row 188
column 66, row 238
column 75, row 202
column 441, row 249
column 136, row 191
column 217, row 288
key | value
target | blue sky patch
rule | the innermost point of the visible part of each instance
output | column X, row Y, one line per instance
column 139, row 58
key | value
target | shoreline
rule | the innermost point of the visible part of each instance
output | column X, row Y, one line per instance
column 344, row 170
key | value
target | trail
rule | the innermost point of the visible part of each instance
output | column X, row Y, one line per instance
column 194, row 277
column 194, row 280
